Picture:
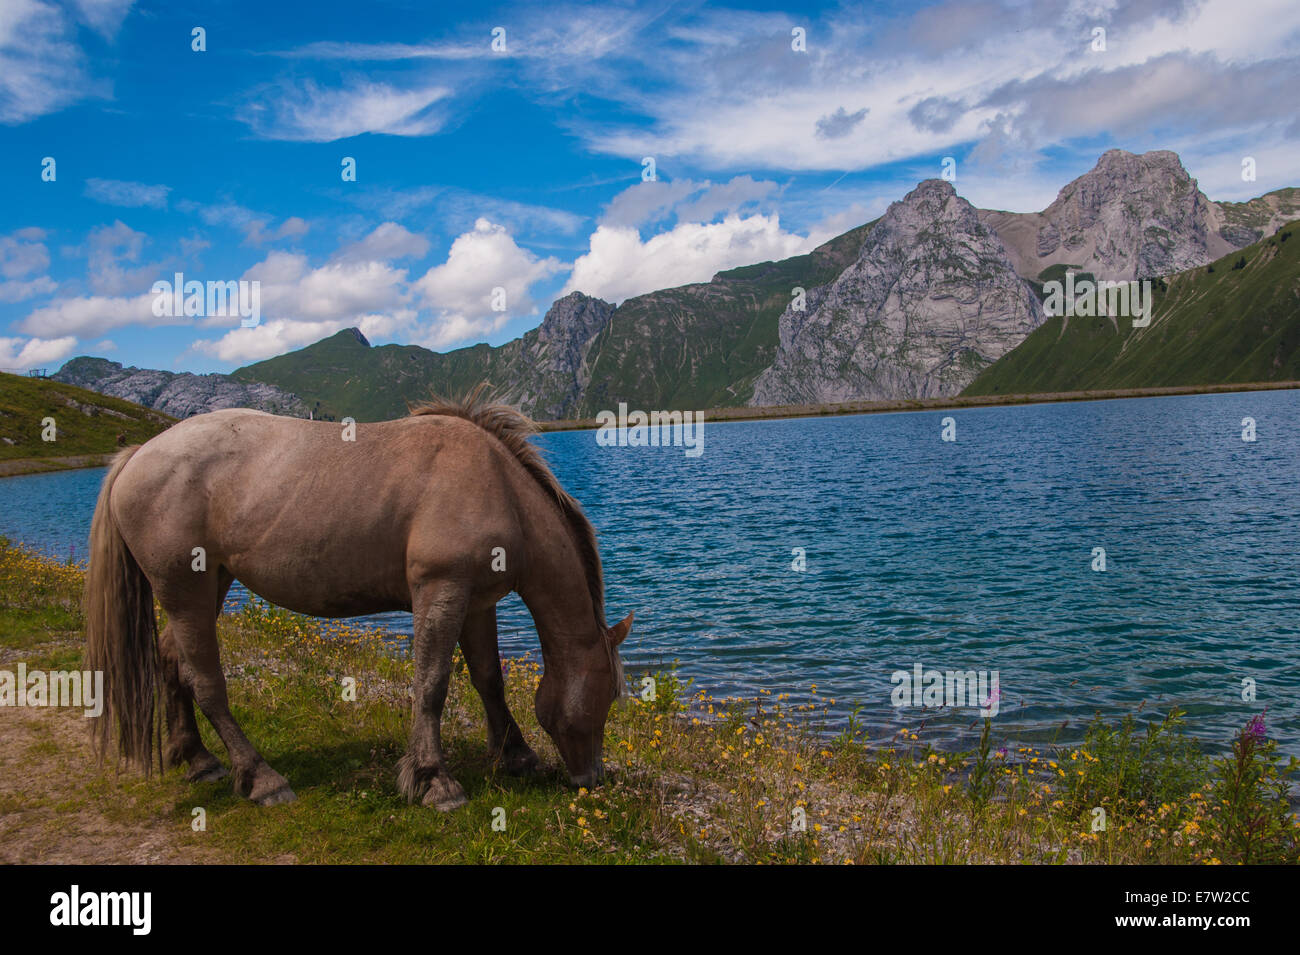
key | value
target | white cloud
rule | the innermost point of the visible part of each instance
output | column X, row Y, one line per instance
column 32, row 352
column 116, row 192
column 302, row 304
column 41, row 67
column 388, row 241
column 310, row 113
column 89, row 315
column 337, row 292
column 651, row 201
column 723, row 89
column 19, row 291
column 256, row 226
column 646, row 202
column 461, row 291
column 110, row 248
column 103, row 16
column 22, row 254
column 620, row 265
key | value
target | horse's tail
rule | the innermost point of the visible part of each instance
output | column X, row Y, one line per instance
column 121, row 634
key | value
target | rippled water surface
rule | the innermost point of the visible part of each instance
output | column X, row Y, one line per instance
column 969, row 555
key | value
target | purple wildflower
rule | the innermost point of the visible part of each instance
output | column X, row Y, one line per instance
column 1256, row 730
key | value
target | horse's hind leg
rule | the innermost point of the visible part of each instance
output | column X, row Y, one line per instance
column 437, row 617
column 196, row 635
column 478, row 641
column 184, row 744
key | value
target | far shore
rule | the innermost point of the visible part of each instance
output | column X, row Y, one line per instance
column 16, row 466
column 775, row 412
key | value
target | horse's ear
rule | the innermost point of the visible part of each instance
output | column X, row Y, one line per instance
column 618, row 633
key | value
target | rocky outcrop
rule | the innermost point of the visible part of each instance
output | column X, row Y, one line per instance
column 931, row 300
column 546, row 372
column 1129, row 217
column 1248, row 222
column 177, row 394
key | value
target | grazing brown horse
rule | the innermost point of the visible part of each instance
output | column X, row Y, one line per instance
column 441, row 513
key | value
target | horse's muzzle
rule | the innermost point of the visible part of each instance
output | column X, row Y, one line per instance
column 590, row 778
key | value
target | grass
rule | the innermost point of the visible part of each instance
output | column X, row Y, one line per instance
column 693, row 779
column 85, row 423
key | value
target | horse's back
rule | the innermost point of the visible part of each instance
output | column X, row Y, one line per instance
column 283, row 501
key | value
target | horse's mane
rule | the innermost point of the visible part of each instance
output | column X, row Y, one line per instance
column 512, row 428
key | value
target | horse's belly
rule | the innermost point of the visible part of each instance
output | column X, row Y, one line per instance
column 325, row 596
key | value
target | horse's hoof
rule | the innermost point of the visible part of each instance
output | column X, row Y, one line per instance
column 445, row 794
column 269, row 787
column 207, row 773
column 282, row 795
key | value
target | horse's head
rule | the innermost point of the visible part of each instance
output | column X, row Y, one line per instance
column 574, row 697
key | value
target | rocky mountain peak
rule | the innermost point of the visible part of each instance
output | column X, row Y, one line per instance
column 1130, row 217
column 931, row 300
column 546, row 371
column 574, row 318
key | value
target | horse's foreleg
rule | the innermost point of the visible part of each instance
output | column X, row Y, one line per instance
column 478, row 641
column 196, row 636
column 438, row 613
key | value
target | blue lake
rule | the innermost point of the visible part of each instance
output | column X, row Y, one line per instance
column 973, row 554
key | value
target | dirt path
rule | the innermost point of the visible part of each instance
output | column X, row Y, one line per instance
column 53, row 811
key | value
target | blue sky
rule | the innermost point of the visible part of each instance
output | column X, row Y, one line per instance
column 490, row 181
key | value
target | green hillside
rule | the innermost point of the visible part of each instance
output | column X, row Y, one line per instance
column 695, row 346
column 1235, row 320
column 86, row 422
column 344, row 375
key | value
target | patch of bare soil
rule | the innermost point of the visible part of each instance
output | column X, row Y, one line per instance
column 49, row 815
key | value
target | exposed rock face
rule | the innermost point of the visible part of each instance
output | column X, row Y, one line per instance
column 1129, row 217
column 931, row 300
column 546, row 371
column 179, row 395
column 1250, row 221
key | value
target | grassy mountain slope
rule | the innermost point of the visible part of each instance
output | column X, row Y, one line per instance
column 86, row 422
column 1235, row 320
column 343, row 376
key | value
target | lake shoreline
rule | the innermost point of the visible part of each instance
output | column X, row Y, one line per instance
column 16, row 467
column 894, row 405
